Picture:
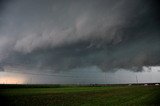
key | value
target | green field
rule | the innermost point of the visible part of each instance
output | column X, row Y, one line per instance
column 81, row 96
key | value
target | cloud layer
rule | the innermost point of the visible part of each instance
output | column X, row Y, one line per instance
column 65, row 35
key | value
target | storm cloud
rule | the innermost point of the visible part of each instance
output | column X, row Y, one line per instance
column 64, row 35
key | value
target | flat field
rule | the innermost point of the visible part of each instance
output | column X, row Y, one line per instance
column 80, row 95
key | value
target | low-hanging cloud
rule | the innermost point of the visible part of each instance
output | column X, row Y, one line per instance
column 65, row 35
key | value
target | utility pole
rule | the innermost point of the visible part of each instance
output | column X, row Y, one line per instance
column 31, row 80
column 105, row 78
column 136, row 79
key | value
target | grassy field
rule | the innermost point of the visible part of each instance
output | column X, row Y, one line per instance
column 81, row 96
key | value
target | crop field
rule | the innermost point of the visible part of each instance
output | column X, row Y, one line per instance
column 80, row 95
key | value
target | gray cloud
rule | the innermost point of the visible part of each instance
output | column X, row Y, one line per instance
column 65, row 35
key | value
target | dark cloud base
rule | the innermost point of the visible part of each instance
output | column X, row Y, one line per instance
column 133, row 45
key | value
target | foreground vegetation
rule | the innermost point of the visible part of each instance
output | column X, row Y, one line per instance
column 81, row 95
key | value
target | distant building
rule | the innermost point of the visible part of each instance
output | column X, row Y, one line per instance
column 157, row 84
column 145, row 84
column 129, row 84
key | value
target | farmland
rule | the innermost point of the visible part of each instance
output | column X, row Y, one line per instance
column 56, row 95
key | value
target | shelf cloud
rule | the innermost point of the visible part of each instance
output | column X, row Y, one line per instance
column 65, row 35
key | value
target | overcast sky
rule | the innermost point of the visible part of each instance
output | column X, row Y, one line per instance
column 79, row 41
